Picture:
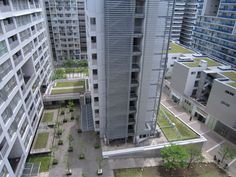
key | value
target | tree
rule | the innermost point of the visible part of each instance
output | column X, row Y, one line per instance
column 194, row 155
column 174, row 156
column 226, row 152
column 70, row 105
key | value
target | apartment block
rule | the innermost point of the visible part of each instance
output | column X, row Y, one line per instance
column 25, row 66
column 126, row 41
column 184, row 18
column 66, row 23
column 215, row 31
column 206, row 89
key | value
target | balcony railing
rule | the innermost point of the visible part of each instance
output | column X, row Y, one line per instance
column 139, row 10
column 132, row 109
column 134, row 82
column 18, row 60
column 5, row 8
column 9, row 27
column 14, row 44
column 133, row 96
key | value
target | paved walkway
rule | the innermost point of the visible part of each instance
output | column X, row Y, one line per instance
column 214, row 141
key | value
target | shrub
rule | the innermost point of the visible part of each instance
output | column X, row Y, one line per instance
column 70, row 149
column 59, row 132
column 54, row 161
column 81, row 156
column 72, row 118
column 71, row 110
column 64, row 120
column 97, row 146
column 60, row 142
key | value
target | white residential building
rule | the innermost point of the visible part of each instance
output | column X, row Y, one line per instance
column 184, row 19
column 66, row 24
column 207, row 90
column 24, row 67
column 126, row 41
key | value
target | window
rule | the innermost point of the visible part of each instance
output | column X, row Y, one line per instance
column 224, row 103
column 198, row 74
column 95, row 86
column 93, row 21
column 228, row 92
column 192, row 73
column 3, row 48
column 94, row 56
column 95, row 72
column 196, row 83
column 96, row 111
column 93, row 39
column 194, row 92
column 96, row 99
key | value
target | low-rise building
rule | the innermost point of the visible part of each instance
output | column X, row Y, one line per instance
column 206, row 89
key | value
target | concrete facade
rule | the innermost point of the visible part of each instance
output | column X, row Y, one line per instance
column 25, row 66
column 125, row 41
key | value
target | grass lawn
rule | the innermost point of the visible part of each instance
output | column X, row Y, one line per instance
column 45, row 161
column 47, row 117
column 70, row 84
column 232, row 84
column 197, row 170
column 70, row 90
column 196, row 62
column 175, row 48
column 170, row 133
column 41, row 140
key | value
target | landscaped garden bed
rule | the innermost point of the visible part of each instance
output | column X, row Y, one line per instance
column 197, row 170
column 44, row 160
column 47, row 117
column 41, row 140
column 174, row 129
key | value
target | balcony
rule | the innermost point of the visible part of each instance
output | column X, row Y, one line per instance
column 134, row 83
column 14, row 44
column 130, row 132
column 133, row 96
column 5, row 8
column 17, row 60
column 136, row 50
column 132, row 109
column 139, row 11
column 9, row 27
column 135, row 68
column 138, row 31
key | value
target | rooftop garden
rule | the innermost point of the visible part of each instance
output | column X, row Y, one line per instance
column 232, row 76
column 67, row 90
column 41, row 140
column 70, row 67
column 175, row 48
column 69, row 84
column 196, row 62
column 47, row 117
column 173, row 128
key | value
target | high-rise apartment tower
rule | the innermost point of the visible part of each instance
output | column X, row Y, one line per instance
column 25, row 65
column 126, row 40
column 215, row 31
column 66, row 23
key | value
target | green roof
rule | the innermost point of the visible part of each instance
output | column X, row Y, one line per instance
column 196, row 62
column 232, row 76
column 175, row 48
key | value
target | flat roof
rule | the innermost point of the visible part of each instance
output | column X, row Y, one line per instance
column 175, row 48
column 232, row 76
column 196, row 61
